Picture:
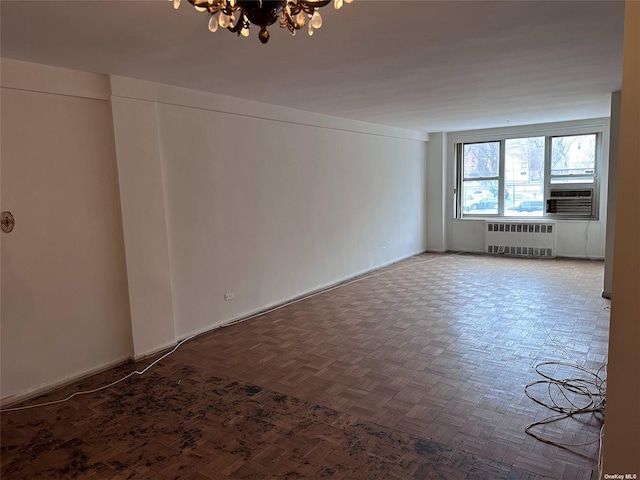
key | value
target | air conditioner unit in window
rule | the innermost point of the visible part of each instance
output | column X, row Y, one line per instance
column 570, row 203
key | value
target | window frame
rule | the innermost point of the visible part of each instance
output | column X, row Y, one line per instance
column 462, row 178
column 459, row 139
column 548, row 158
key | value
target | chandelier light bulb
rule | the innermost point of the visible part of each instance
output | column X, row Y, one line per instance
column 337, row 4
column 244, row 32
column 316, row 19
column 201, row 9
column 213, row 24
column 310, row 29
column 176, row 4
column 300, row 18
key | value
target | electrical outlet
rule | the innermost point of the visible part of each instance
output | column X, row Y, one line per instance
column 229, row 296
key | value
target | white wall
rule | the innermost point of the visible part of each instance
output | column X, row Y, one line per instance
column 144, row 223
column 65, row 310
column 574, row 238
column 265, row 202
column 204, row 194
column 436, row 215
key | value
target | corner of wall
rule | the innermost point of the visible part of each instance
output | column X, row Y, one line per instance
column 144, row 224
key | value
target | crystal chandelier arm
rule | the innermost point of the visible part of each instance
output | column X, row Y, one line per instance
column 204, row 4
column 288, row 20
column 214, row 6
column 286, row 23
column 310, row 6
column 240, row 24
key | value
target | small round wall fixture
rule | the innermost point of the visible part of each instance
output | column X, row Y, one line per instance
column 7, row 222
column 238, row 15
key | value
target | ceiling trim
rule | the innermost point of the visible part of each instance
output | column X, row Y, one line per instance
column 167, row 94
column 19, row 75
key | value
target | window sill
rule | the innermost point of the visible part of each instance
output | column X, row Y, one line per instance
column 497, row 218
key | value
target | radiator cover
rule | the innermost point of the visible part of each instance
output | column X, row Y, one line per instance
column 520, row 239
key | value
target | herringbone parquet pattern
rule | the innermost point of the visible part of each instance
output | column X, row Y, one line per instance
column 417, row 371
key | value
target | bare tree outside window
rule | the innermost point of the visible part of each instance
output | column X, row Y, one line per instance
column 481, row 159
column 481, row 167
column 573, row 155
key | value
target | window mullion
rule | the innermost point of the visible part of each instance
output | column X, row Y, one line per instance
column 459, row 181
column 501, row 175
column 547, row 172
column 474, row 179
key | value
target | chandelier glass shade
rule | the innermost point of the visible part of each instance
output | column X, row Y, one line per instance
column 238, row 15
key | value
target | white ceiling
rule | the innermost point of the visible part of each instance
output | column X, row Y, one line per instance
column 422, row 65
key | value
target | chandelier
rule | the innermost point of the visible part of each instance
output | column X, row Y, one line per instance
column 238, row 15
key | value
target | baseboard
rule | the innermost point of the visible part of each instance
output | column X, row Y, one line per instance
column 47, row 388
column 50, row 387
column 156, row 351
column 268, row 308
column 581, row 257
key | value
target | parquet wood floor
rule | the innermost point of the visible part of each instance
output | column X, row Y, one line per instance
column 415, row 372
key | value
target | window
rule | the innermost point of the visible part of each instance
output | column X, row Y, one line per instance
column 481, row 166
column 573, row 159
column 524, row 176
column 513, row 177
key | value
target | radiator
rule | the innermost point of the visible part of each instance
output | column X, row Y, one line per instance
column 521, row 239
